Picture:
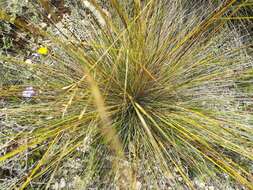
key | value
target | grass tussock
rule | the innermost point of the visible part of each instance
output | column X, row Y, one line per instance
column 154, row 84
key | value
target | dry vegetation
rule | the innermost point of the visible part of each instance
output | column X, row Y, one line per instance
column 133, row 94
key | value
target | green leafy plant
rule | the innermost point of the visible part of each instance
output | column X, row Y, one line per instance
column 152, row 86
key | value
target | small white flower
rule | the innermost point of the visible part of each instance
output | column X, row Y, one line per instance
column 28, row 92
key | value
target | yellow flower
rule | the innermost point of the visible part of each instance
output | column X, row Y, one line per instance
column 42, row 51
